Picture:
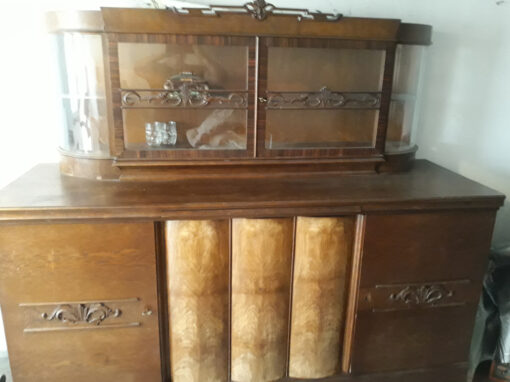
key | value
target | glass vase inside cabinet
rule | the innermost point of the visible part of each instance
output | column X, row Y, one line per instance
column 321, row 97
column 183, row 96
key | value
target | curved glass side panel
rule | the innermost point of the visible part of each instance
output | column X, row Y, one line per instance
column 84, row 122
column 406, row 86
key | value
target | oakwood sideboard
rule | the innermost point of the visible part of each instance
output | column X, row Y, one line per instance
column 243, row 280
column 238, row 200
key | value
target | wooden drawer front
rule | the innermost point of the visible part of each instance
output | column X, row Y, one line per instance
column 412, row 248
column 77, row 302
column 412, row 339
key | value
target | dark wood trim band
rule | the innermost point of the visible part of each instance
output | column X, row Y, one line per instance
column 352, row 302
column 162, row 286
column 138, row 20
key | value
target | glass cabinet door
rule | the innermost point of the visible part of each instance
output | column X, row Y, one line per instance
column 319, row 97
column 183, row 96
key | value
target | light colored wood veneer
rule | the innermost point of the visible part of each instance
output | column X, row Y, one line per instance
column 197, row 273
column 261, row 265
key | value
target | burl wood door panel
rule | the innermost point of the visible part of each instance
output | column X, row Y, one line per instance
column 79, row 302
column 420, row 284
column 323, row 251
column 198, row 293
column 261, row 270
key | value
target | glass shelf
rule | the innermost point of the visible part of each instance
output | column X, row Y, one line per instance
column 197, row 129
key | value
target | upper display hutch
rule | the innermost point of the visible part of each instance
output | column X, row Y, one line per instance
column 235, row 90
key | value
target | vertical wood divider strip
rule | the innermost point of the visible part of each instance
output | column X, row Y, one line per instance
column 114, row 81
column 352, row 305
column 384, row 110
column 108, row 90
column 163, row 316
column 251, row 111
column 256, row 97
column 229, row 351
column 260, row 128
column 291, row 290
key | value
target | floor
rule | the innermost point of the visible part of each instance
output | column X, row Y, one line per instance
column 5, row 369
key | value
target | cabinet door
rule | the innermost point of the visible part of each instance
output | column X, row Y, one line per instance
column 321, row 98
column 420, row 283
column 79, row 302
column 183, row 97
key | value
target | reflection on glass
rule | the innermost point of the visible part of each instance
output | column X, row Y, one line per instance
column 82, row 86
column 150, row 65
column 406, row 83
column 308, row 129
column 309, row 69
column 202, row 129
column 323, row 98
column 202, row 88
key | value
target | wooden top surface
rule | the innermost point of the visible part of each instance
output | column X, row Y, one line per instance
column 147, row 20
column 44, row 194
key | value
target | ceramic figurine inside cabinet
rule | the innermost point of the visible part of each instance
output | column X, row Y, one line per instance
column 238, row 200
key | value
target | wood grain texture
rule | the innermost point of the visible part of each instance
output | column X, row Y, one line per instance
column 450, row 373
column 323, row 251
column 137, row 20
column 80, row 262
column 352, row 302
column 261, row 266
column 43, row 193
column 404, row 251
column 426, row 247
column 412, row 339
column 198, row 277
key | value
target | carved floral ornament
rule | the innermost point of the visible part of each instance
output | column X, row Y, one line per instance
column 188, row 90
column 183, row 90
column 93, row 314
column 324, row 98
column 259, row 10
column 422, row 294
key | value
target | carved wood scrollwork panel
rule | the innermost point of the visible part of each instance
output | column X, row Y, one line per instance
column 184, row 90
column 323, row 99
column 93, row 314
column 161, row 98
column 418, row 296
column 259, row 10
column 41, row 317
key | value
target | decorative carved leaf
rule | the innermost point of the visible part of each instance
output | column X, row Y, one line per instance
column 93, row 314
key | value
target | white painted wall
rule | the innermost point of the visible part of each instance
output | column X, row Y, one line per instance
column 465, row 105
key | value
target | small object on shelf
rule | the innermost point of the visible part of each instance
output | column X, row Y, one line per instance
column 214, row 132
column 161, row 133
column 500, row 372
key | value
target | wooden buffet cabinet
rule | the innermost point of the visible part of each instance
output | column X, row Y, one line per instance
column 238, row 201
